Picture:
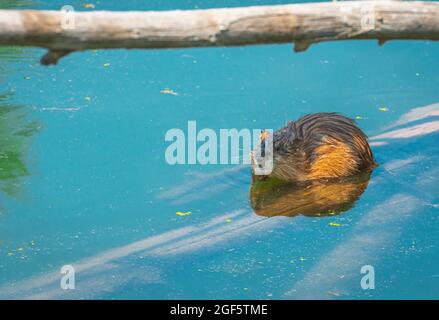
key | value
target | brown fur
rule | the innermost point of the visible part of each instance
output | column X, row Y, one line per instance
column 333, row 159
column 320, row 146
column 316, row 199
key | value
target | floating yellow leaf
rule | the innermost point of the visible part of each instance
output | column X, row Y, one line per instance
column 182, row 214
column 106, row 65
column 169, row 91
column 88, row 5
column 384, row 109
column 335, row 224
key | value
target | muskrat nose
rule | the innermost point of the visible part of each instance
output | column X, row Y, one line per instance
column 264, row 135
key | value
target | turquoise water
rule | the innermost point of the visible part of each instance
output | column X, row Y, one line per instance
column 84, row 181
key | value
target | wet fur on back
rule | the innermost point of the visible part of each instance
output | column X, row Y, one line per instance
column 320, row 146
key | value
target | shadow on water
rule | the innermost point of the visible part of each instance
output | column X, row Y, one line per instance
column 271, row 198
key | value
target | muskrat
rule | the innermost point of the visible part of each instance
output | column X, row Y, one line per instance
column 318, row 146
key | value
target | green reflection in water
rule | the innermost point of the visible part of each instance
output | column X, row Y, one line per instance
column 11, row 4
column 16, row 132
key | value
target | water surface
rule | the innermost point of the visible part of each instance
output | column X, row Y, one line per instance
column 85, row 181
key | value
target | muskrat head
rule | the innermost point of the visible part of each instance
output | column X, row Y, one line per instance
column 278, row 155
column 262, row 156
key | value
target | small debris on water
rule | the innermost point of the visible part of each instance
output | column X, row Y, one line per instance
column 72, row 109
column 182, row 214
column 88, row 6
column 335, row 294
column 169, row 91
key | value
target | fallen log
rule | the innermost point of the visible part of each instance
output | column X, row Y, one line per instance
column 66, row 31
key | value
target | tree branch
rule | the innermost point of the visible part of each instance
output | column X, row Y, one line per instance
column 303, row 24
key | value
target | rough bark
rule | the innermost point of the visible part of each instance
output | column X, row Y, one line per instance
column 303, row 24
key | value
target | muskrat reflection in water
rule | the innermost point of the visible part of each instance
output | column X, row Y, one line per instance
column 273, row 197
column 321, row 164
